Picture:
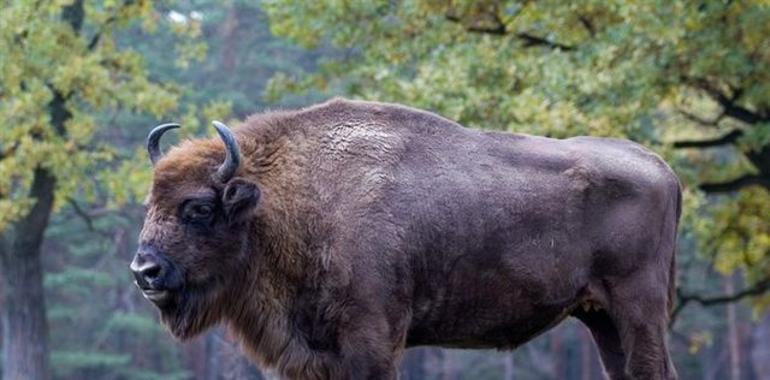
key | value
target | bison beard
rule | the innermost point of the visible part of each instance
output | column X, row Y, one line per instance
column 189, row 314
column 332, row 238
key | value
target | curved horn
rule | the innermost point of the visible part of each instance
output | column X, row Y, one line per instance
column 153, row 140
column 232, row 153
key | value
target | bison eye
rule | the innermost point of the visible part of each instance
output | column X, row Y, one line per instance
column 197, row 211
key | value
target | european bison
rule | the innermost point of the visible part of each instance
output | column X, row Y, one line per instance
column 331, row 238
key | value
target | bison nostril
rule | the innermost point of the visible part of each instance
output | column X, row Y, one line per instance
column 152, row 272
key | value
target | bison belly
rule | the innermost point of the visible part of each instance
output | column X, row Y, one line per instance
column 484, row 307
column 497, row 269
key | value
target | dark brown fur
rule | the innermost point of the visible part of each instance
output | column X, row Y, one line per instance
column 379, row 227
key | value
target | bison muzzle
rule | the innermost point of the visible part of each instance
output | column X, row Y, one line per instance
column 331, row 238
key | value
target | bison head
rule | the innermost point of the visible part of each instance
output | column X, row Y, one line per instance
column 193, row 245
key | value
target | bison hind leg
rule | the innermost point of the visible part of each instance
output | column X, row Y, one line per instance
column 607, row 339
column 643, row 324
column 632, row 328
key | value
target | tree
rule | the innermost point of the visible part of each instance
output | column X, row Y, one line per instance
column 60, row 64
column 651, row 71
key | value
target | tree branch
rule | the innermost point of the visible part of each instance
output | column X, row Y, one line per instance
column 728, row 103
column 530, row 40
column 741, row 113
column 755, row 290
column 8, row 152
column 699, row 120
column 98, row 35
column 736, row 184
column 89, row 216
column 74, row 14
column 81, row 213
column 499, row 29
column 729, row 138
column 586, row 22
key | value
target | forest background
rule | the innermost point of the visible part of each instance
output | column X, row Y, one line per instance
column 83, row 81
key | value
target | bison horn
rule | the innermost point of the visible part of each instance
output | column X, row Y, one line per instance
column 232, row 153
column 153, row 141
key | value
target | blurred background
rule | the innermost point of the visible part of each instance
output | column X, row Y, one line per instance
column 83, row 81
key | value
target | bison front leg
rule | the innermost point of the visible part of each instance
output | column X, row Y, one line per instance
column 371, row 350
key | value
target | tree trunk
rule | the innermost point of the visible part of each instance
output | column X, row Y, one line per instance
column 413, row 365
column 760, row 349
column 556, row 354
column 733, row 340
column 194, row 358
column 25, row 328
column 213, row 357
column 586, row 354
column 509, row 372
column 448, row 365
column 229, row 42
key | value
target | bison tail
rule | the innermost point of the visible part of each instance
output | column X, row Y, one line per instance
column 672, row 267
column 672, row 283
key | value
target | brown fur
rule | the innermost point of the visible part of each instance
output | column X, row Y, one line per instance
column 380, row 227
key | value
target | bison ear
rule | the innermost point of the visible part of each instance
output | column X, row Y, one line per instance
column 239, row 200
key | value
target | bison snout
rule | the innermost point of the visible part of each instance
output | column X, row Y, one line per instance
column 155, row 275
column 148, row 270
column 145, row 271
